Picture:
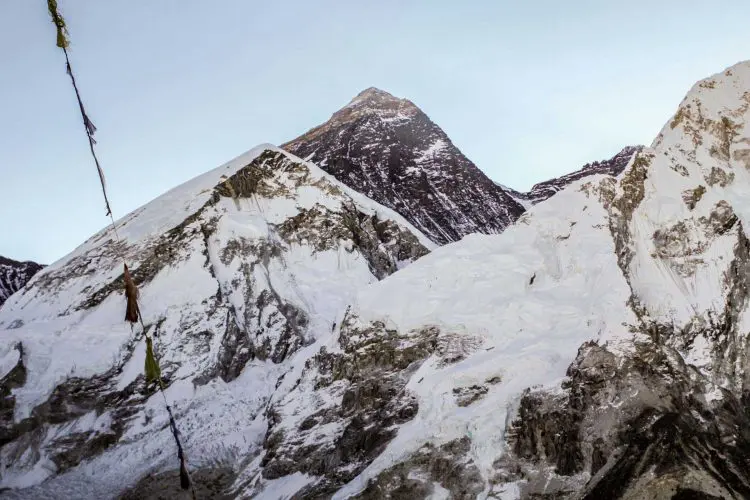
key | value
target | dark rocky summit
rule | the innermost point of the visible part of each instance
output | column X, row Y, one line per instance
column 389, row 150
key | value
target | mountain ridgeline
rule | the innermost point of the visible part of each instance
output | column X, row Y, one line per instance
column 545, row 190
column 318, row 339
column 389, row 150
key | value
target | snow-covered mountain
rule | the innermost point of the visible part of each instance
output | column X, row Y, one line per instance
column 242, row 273
column 14, row 275
column 389, row 150
column 596, row 349
column 544, row 190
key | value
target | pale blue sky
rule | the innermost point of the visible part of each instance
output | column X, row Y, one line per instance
column 527, row 90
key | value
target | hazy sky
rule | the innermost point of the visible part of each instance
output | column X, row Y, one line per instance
column 527, row 90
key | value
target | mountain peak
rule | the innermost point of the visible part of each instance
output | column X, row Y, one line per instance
column 371, row 92
column 372, row 100
column 386, row 148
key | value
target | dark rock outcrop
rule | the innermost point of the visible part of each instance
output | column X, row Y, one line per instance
column 638, row 425
column 14, row 275
column 213, row 483
column 389, row 150
column 448, row 465
column 361, row 394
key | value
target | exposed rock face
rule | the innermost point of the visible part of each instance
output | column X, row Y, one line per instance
column 431, row 471
column 359, row 400
column 662, row 414
column 215, row 483
column 14, row 275
column 389, row 150
column 637, row 426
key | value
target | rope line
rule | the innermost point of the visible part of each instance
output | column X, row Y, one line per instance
column 133, row 312
column 90, row 130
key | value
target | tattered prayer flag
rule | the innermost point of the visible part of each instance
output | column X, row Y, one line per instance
column 131, row 294
column 153, row 373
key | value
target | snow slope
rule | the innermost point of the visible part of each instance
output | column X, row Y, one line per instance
column 521, row 305
column 510, row 309
column 241, row 271
column 677, row 251
column 595, row 349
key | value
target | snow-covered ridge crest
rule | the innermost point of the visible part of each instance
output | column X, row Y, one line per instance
column 694, row 203
column 241, row 272
column 544, row 190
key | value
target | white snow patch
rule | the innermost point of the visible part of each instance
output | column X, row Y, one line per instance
column 9, row 360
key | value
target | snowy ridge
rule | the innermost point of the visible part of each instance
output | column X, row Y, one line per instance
column 493, row 311
column 240, row 270
column 597, row 348
column 610, row 317
column 666, row 239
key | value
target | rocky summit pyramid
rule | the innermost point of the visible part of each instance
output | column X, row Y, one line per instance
column 14, row 275
column 596, row 349
column 389, row 150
